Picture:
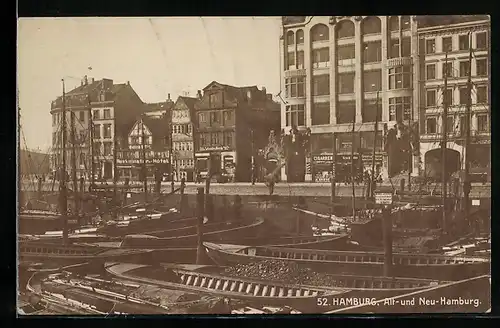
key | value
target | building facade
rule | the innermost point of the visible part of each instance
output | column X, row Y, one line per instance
column 231, row 124
column 340, row 71
column 183, row 138
column 444, row 47
column 147, row 151
column 103, row 106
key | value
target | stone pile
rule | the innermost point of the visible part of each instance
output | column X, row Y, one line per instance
column 284, row 272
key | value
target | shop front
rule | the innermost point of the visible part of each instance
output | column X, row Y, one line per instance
column 220, row 158
column 131, row 164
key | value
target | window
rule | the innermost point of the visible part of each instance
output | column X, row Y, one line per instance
column 370, row 110
column 450, row 122
column 371, row 25
column 107, row 113
column 83, row 136
column 400, row 109
column 295, row 115
column 202, row 117
column 320, row 113
column 464, row 68
column 107, row 131
column 430, row 46
column 431, row 72
column 481, row 95
column 290, row 38
column 345, row 29
column 295, row 87
column 319, row 32
column 462, row 124
column 291, row 60
column 481, row 40
column 96, row 148
column 107, row 148
column 346, row 110
column 321, row 57
column 447, row 44
column 228, row 119
column 215, row 117
column 430, row 125
column 190, row 127
column 97, row 131
column 300, row 37
column 134, row 140
column 214, row 99
column 372, row 52
column 431, row 98
column 95, row 115
column 405, row 23
column 54, row 138
column 463, row 42
column 394, row 23
column 406, row 47
column 394, row 48
column 400, row 77
column 448, row 69
column 54, row 119
column 346, row 83
column 346, row 51
column 482, row 123
column 228, row 139
column 300, row 59
column 448, row 96
column 321, row 85
column 464, row 95
column 481, row 67
column 214, row 138
column 372, row 81
column 82, row 116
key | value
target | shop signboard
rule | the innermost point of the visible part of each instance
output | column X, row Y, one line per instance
column 214, row 148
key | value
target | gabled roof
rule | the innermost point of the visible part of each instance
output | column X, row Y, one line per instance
column 159, row 106
column 239, row 93
column 189, row 101
column 159, row 127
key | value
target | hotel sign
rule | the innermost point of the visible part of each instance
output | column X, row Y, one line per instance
column 136, row 157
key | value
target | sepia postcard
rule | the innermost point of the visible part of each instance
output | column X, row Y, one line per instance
column 254, row 165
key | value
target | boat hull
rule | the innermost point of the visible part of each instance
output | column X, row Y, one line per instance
column 364, row 266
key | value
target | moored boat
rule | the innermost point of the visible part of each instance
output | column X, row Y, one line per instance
column 38, row 221
column 438, row 267
column 233, row 231
column 254, row 291
column 67, row 254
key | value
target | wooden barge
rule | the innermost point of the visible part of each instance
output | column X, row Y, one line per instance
column 438, row 267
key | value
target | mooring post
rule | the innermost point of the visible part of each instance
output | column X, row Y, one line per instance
column 387, row 232
column 183, row 205
column 224, row 208
column 237, row 207
column 200, row 205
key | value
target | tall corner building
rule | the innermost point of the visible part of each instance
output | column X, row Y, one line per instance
column 335, row 70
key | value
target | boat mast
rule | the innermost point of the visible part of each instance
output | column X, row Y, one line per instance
column 73, row 162
column 467, row 185
column 444, row 173
column 144, row 167
column 115, row 173
column 373, row 178
column 91, row 143
column 62, row 186
column 353, row 137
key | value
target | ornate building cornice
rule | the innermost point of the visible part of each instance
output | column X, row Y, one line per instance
column 453, row 30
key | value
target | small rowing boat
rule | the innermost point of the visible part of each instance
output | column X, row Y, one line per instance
column 255, row 291
column 438, row 267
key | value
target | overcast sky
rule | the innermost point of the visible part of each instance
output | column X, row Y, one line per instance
column 157, row 55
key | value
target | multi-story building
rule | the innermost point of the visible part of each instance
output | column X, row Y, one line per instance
column 159, row 109
column 111, row 107
column 340, row 71
column 232, row 123
column 444, row 48
column 147, row 149
column 182, row 138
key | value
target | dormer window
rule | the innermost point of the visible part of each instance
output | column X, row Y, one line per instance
column 102, row 96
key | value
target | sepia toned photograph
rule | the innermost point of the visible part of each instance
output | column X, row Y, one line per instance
column 325, row 165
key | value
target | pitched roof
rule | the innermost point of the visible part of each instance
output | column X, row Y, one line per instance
column 439, row 20
column 157, row 126
column 153, row 107
column 189, row 101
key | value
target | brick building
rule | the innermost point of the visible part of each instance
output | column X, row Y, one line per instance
column 114, row 107
column 232, row 123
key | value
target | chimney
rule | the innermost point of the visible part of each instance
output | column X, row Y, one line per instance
column 85, row 81
column 269, row 96
column 199, row 94
column 92, row 80
column 168, row 97
column 128, row 83
column 264, row 90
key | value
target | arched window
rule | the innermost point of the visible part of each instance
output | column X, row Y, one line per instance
column 345, row 29
column 300, row 37
column 290, row 38
column 394, row 23
column 319, row 32
column 371, row 25
column 405, row 22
